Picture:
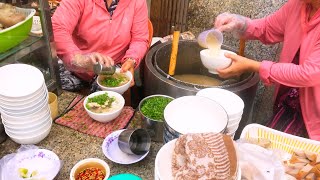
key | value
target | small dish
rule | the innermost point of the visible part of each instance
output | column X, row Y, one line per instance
column 112, row 151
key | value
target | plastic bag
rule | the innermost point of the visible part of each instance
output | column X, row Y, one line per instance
column 258, row 163
column 31, row 163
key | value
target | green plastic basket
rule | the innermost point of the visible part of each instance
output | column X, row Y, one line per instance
column 14, row 35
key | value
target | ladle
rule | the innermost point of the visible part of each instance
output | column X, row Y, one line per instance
column 174, row 52
column 242, row 47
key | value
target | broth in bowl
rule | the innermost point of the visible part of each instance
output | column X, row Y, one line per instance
column 103, row 103
column 115, row 80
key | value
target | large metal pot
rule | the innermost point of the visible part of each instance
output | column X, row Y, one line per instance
column 157, row 81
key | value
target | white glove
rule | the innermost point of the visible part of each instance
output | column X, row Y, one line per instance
column 233, row 23
column 83, row 63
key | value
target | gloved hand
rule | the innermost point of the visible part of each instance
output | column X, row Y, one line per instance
column 85, row 62
column 230, row 23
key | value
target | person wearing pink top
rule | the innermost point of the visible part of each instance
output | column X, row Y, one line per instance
column 106, row 31
column 297, row 74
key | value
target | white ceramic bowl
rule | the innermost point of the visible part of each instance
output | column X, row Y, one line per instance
column 30, row 131
column 26, row 125
column 230, row 101
column 195, row 114
column 23, row 102
column 26, row 104
column 107, row 116
column 232, row 130
column 119, row 89
column 28, row 110
column 87, row 163
column 18, row 81
column 36, row 138
column 214, row 62
column 29, row 118
column 234, row 121
column 44, row 106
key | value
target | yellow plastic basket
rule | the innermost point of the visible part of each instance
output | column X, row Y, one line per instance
column 17, row 33
column 280, row 140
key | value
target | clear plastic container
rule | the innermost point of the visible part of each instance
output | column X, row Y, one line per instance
column 211, row 39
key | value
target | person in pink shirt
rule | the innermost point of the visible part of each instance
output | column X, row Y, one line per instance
column 297, row 74
column 106, row 31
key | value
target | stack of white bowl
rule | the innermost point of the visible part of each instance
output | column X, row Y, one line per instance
column 24, row 107
column 231, row 102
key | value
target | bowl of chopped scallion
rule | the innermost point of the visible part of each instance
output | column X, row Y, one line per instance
column 117, row 82
column 151, row 109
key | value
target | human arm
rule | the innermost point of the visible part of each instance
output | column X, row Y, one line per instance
column 139, row 34
column 305, row 74
column 64, row 22
column 268, row 30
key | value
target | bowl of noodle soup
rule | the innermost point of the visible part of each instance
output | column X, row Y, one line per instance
column 104, row 106
column 118, row 82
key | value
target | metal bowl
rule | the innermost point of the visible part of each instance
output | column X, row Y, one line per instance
column 155, row 128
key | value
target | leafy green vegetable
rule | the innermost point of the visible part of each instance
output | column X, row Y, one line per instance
column 153, row 107
column 101, row 100
column 113, row 80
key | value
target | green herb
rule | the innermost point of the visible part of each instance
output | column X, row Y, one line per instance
column 101, row 100
column 153, row 107
column 113, row 81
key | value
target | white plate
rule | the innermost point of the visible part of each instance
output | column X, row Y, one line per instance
column 45, row 162
column 162, row 170
column 112, row 151
column 195, row 114
column 163, row 166
column 20, row 80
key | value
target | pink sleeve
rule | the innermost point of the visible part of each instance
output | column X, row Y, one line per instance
column 64, row 22
column 269, row 30
column 139, row 33
column 303, row 75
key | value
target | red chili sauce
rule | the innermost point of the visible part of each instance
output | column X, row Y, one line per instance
column 91, row 173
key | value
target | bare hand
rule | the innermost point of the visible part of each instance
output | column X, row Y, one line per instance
column 128, row 65
column 238, row 66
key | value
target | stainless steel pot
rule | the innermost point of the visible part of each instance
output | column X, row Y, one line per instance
column 157, row 81
column 155, row 128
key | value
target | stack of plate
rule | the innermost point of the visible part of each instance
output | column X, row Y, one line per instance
column 163, row 166
column 231, row 102
column 193, row 114
column 24, row 104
